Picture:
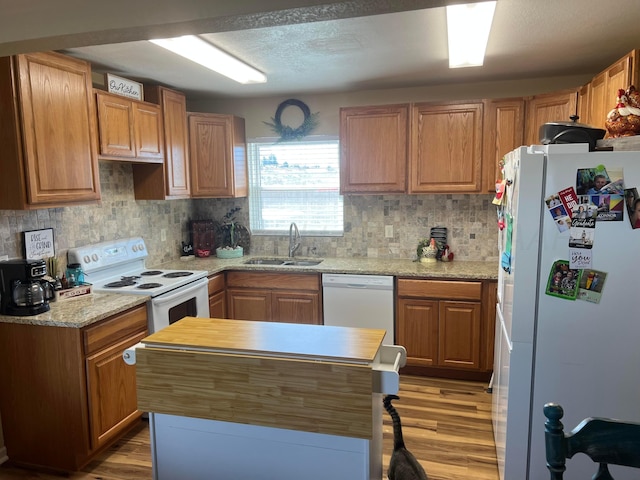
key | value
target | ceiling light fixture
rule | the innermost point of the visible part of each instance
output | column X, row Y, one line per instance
column 202, row 52
column 468, row 28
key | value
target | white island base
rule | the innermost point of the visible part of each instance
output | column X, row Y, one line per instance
column 200, row 449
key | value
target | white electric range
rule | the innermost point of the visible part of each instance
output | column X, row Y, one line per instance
column 118, row 267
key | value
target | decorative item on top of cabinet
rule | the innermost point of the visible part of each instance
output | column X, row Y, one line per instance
column 624, row 119
column 441, row 324
column 548, row 107
column 129, row 129
column 503, row 132
column 171, row 179
column 374, row 149
column 446, row 147
column 218, row 151
column 47, row 132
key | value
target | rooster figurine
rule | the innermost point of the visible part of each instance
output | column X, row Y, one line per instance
column 624, row 120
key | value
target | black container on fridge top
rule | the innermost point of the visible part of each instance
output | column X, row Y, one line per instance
column 23, row 289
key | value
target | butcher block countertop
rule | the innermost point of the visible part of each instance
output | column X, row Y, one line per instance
column 286, row 340
column 291, row 376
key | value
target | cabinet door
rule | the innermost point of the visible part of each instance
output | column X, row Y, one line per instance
column 553, row 107
column 584, row 104
column 417, row 330
column 148, row 132
column 374, row 149
column 249, row 304
column 111, row 385
column 115, row 124
column 459, row 334
column 174, row 106
column 503, row 131
column 59, row 129
column 218, row 305
column 218, row 159
column 598, row 102
column 446, row 148
column 295, row 307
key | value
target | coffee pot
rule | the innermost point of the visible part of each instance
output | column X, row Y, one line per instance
column 23, row 290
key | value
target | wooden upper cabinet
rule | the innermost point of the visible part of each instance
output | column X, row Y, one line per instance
column 584, row 113
column 446, row 147
column 374, row 149
column 604, row 87
column 218, row 151
column 171, row 179
column 503, row 132
column 129, row 129
column 47, row 132
column 550, row 107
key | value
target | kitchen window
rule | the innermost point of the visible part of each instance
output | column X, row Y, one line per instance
column 295, row 182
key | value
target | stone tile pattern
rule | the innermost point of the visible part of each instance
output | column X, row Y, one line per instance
column 470, row 219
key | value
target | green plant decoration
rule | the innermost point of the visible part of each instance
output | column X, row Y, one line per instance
column 287, row 133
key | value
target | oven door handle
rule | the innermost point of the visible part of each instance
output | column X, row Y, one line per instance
column 181, row 292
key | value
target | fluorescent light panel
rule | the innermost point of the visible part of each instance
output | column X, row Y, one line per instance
column 468, row 28
column 197, row 50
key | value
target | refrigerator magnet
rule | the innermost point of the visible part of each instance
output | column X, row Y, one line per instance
column 563, row 281
column 632, row 201
column 591, row 285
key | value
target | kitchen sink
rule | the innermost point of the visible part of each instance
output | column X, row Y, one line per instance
column 302, row 263
column 264, row 261
column 284, row 263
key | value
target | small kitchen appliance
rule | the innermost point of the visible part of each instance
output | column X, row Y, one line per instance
column 23, row 289
column 118, row 267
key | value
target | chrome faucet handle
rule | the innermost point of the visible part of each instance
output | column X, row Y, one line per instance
column 294, row 239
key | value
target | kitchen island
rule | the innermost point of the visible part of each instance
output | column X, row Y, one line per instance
column 249, row 400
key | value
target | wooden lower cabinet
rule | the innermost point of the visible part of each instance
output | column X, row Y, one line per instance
column 274, row 297
column 217, row 296
column 444, row 328
column 68, row 394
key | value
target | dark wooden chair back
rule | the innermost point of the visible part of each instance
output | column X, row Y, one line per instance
column 605, row 441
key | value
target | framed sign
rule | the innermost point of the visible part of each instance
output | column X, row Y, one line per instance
column 38, row 244
column 123, row 86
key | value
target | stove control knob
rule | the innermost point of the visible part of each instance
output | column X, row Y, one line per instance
column 94, row 257
column 141, row 247
column 134, row 248
column 86, row 259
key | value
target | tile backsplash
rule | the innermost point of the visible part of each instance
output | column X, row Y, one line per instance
column 470, row 220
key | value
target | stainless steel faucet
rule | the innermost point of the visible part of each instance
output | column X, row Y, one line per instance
column 294, row 239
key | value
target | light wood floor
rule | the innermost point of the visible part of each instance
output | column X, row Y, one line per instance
column 446, row 424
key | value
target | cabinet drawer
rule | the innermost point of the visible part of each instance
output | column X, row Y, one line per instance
column 216, row 283
column 441, row 289
column 291, row 281
column 111, row 330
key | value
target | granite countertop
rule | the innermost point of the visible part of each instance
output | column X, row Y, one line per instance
column 372, row 266
column 82, row 311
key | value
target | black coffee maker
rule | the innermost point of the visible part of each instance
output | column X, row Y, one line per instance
column 23, row 290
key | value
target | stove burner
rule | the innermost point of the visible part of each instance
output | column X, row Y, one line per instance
column 125, row 282
column 151, row 272
column 177, row 274
column 147, row 286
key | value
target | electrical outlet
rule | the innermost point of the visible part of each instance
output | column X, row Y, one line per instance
column 388, row 231
column 163, row 235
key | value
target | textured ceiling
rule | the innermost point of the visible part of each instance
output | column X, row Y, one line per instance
column 341, row 46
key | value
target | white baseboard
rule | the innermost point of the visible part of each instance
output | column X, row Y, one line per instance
column 3, row 455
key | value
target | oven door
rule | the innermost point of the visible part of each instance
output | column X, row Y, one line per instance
column 192, row 300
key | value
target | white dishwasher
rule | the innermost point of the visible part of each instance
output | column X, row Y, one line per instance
column 359, row 301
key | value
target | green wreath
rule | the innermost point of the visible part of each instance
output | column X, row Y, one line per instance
column 287, row 133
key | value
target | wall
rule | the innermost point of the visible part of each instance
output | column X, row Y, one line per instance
column 118, row 216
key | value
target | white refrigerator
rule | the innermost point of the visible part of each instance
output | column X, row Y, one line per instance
column 584, row 355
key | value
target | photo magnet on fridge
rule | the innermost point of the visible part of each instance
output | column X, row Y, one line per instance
column 590, row 286
column 563, row 281
column 632, row 201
